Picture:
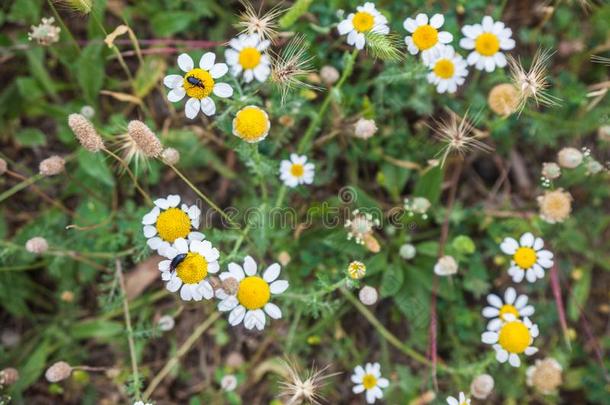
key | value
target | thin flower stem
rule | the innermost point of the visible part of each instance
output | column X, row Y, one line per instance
column 132, row 346
column 184, row 349
column 131, row 175
column 42, row 194
column 204, row 197
column 20, row 186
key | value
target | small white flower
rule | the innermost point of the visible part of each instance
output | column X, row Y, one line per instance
column 446, row 266
column 142, row 403
column 167, row 222
column 296, row 171
column 247, row 56
column 529, row 259
column 228, row 383
column 447, row 70
column 426, row 37
column 487, row 40
column 369, row 378
column 251, row 299
column 407, row 251
column 357, row 25
column 516, row 306
column 461, row 400
column 166, row 323
column 198, row 259
column 513, row 338
column 198, row 84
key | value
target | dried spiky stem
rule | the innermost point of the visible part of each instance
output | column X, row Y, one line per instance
column 291, row 67
column 532, row 83
column 600, row 59
column 254, row 22
column 459, row 134
column 298, row 390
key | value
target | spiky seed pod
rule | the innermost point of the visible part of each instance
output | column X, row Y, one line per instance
column 170, row 155
column 58, row 372
column 3, row 166
column 145, row 140
column 555, row 206
column 503, row 99
column 481, row 386
column 52, row 166
column 368, row 295
column 85, row 133
column 37, row 245
column 9, row 376
column 364, row 129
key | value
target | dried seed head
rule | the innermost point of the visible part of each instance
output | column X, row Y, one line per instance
column 482, row 386
column 145, row 140
column 503, row 99
column 3, row 166
column 459, row 135
column 368, row 295
column 329, row 75
column 37, row 245
column 85, row 133
column 254, row 22
column 545, row 375
column 230, row 285
column 551, row 170
column 9, row 376
column 289, row 69
column 532, row 83
column 46, row 33
column 555, row 206
column 569, row 158
column 52, row 166
column 58, row 372
column 446, row 266
column 364, row 129
column 170, row 155
column 298, row 388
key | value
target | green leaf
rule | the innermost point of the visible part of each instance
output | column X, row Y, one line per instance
column 392, row 280
column 35, row 364
column 96, row 329
column 165, row 24
column 90, row 72
column 580, row 293
column 147, row 76
column 299, row 8
column 429, row 185
column 38, row 70
column 30, row 137
column 95, row 166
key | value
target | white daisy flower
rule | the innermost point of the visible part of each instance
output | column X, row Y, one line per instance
column 513, row 338
column 369, row 379
column 247, row 56
column 296, row 171
column 357, row 25
column 198, row 84
column 250, row 300
column 192, row 261
column 167, row 222
column 513, row 305
column 426, row 37
column 448, row 70
column 529, row 259
column 488, row 40
column 461, row 400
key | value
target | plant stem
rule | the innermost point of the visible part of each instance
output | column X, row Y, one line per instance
column 132, row 346
column 204, row 197
column 131, row 175
column 20, row 186
column 64, row 28
column 186, row 346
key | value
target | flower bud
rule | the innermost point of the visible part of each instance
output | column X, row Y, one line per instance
column 407, row 251
column 37, row 245
column 364, row 129
column 170, row 155
column 569, row 158
column 446, row 266
column 9, row 376
column 482, row 386
column 329, row 75
column 368, row 295
column 85, row 132
column 52, row 166
column 58, row 372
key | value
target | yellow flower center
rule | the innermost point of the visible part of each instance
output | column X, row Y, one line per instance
column 356, row 270
column 369, row 381
column 444, row 68
column 193, row 268
column 363, row 21
column 514, row 337
column 253, row 292
column 525, row 257
column 297, row 170
column 172, row 224
column 487, row 44
column 425, row 37
column 508, row 309
column 249, row 58
column 198, row 83
column 251, row 124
